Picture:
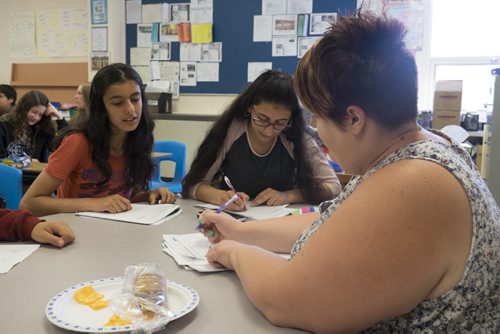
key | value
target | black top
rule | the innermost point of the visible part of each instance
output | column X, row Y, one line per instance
column 252, row 174
column 41, row 141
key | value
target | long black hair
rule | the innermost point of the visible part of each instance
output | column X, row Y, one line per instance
column 97, row 128
column 272, row 87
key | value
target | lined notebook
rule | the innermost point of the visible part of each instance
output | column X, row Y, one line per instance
column 145, row 214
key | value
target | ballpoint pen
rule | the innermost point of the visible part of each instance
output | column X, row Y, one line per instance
column 199, row 223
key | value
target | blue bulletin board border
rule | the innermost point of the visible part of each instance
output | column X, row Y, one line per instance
column 233, row 26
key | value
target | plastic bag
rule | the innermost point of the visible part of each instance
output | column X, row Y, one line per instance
column 17, row 156
column 143, row 298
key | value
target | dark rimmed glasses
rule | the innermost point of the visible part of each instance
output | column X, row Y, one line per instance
column 279, row 125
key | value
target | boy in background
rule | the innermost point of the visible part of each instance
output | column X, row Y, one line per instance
column 8, row 96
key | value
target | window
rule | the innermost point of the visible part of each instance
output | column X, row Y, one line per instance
column 463, row 46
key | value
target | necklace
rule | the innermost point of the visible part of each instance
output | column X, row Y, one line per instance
column 393, row 146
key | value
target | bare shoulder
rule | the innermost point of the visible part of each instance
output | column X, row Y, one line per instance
column 401, row 237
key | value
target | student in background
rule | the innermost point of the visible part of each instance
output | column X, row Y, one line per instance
column 260, row 144
column 82, row 100
column 105, row 163
column 8, row 96
column 28, row 128
column 412, row 245
column 23, row 225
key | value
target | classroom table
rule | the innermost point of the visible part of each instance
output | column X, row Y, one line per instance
column 102, row 249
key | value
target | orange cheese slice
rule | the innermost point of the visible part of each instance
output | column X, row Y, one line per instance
column 115, row 320
column 88, row 296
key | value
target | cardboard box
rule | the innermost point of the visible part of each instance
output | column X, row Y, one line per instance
column 441, row 118
column 448, row 95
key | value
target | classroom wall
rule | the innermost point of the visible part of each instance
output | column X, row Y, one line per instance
column 12, row 6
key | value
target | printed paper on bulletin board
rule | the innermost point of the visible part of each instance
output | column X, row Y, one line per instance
column 62, row 33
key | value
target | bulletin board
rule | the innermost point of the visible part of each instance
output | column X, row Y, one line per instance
column 233, row 26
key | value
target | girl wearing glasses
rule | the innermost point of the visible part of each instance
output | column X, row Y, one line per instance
column 260, row 144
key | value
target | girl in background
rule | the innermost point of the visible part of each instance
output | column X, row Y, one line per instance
column 260, row 144
column 105, row 163
column 28, row 128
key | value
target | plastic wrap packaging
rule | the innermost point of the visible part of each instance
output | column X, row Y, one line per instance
column 143, row 298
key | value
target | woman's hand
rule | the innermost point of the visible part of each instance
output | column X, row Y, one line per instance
column 219, row 226
column 112, row 204
column 271, row 197
column 239, row 204
column 222, row 254
column 56, row 233
column 161, row 195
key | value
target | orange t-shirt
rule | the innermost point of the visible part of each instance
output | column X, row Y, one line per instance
column 72, row 163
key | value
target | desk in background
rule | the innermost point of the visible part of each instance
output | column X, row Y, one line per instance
column 102, row 249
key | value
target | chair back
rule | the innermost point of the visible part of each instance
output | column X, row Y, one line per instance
column 11, row 186
column 177, row 154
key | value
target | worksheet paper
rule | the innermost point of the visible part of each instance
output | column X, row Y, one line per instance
column 12, row 254
column 145, row 214
column 255, row 212
column 189, row 251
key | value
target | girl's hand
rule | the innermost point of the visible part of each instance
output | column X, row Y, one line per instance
column 52, row 111
column 111, row 204
column 239, row 204
column 271, row 197
column 161, row 195
column 219, row 226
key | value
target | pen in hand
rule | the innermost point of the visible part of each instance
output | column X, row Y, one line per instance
column 199, row 223
column 230, row 185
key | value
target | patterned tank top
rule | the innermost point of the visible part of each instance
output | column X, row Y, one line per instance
column 473, row 306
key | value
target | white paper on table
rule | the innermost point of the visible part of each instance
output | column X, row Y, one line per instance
column 255, row 212
column 145, row 214
column 12, row 254
column 189, row 250
column 262, row 28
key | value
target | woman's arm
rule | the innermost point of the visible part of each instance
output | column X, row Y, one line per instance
column 376, row 257
column 276, row 234
column 39, row 199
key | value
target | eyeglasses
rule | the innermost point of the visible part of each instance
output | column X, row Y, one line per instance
column 279, row 125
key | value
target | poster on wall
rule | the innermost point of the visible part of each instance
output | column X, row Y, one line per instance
column 98, row 60
column 100, row 39
column 99, row 10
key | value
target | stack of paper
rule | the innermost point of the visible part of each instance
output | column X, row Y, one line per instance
column 189, row 251
column 145, row 214
column 256, row 212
